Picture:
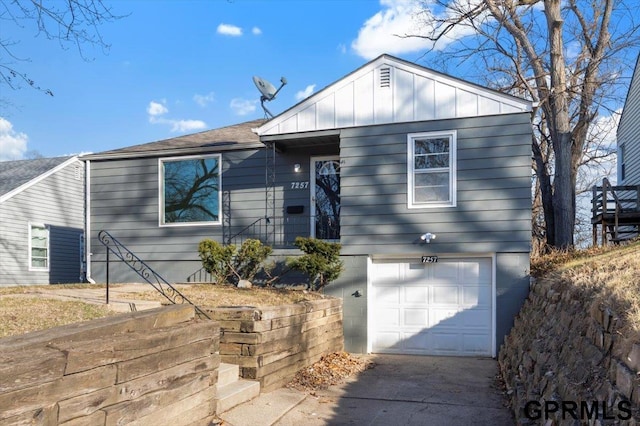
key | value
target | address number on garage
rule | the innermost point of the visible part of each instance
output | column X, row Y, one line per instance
column 429, row 259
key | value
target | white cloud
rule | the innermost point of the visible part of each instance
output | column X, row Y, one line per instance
column 156, row 109
column 256, row 31
column 243, row 106
column 382, row 32
column 186, row 125
column 303, row 94
column 204, row 100
column 13, row 145
column 229, row 30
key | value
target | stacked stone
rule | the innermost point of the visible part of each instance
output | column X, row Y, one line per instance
column 565, row 347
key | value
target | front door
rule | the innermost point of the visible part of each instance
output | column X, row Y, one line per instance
column 325, row 198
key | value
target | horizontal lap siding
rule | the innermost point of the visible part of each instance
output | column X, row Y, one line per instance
column 629, row 132
column 125, row 202
column 493, row 211
column 57, row 202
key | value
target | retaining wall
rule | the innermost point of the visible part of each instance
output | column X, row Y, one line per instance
column 565, row 361
column 271, row 344
column 152, row 367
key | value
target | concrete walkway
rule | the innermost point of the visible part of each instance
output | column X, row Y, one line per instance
column 399, row 390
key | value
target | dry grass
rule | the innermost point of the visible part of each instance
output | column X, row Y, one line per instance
column 30, row 308
column 227, row 295
column 610, row 275
column 19, row 315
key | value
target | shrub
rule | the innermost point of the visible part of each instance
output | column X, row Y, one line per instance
column 321, row 261
column 228, row 265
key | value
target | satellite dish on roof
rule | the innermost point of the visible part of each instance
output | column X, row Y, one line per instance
column 268, row 91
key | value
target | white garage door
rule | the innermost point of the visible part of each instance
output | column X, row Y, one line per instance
column 441, row 308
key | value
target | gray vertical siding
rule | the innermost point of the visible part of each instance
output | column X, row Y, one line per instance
column 57, row 202
column 629, row 132
column 493, row 211
column 512, row 288
column 353, row 279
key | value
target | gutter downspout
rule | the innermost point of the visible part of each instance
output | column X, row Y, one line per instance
column 87, row 221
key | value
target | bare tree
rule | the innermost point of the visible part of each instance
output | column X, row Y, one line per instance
column 565, row 55
column 72, row 23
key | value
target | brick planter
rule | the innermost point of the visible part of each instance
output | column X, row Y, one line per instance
column 271, row 344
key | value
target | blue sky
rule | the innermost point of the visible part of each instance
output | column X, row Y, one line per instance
column 178, row 67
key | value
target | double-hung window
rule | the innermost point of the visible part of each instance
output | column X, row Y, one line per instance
column 431, row 160
column 38, row 247
column 190, row 190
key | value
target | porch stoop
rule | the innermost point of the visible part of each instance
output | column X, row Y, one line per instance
column 231, row 390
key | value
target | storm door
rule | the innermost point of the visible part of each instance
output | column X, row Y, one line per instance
column 325, row 198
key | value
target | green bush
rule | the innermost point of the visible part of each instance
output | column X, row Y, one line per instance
column 321, row 261
column 228, row 265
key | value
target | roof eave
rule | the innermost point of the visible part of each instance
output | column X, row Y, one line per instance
column 171, row 152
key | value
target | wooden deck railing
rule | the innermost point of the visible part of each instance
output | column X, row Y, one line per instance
column 616, row 210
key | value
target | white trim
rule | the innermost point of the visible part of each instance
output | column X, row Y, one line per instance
column 494, row 300
column 29, row 255
column 370, row 329
column 161, row 191
column 87, row 225
column 453, row 166
column 312, row 189
column 37, row 179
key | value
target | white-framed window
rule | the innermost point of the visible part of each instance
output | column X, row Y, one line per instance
column 190, row 190
column 621, row 167
column 38, row 247
column 431, row 169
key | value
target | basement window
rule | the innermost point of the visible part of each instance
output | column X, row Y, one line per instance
column 190, row 190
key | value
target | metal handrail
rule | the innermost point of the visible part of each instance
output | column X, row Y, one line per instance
column 246, row 228
column 143, row 270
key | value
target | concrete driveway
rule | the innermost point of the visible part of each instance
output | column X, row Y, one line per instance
column 399, row 390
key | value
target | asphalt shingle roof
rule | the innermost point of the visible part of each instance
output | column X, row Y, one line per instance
column 13, row 174
column 228, row 137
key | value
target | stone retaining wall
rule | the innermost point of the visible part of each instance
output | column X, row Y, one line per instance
column 565, row 356
column 152, row 367
column 271, row 344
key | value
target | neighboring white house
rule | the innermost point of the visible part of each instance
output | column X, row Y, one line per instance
column 41, row 221
column 628, row 134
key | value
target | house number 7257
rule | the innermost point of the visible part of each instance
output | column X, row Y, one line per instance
column 299, row 185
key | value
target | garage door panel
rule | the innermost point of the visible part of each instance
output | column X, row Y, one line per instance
column 443, row 308
column 416, row 318
column 386, row 294
column 445, row 295
column 476, row 296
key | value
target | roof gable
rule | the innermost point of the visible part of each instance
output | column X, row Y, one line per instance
column 391, row 90
column 16, row 176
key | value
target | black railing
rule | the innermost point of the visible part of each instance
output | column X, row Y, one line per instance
column 143, row 270
column 281, row 231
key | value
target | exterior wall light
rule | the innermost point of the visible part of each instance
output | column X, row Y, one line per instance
column 428, row 237
column 297, row 168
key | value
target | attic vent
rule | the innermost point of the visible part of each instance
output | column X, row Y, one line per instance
column 77, row 172
column 385, row 77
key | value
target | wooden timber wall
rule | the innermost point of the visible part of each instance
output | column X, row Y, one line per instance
column 152, row 367
column 271, row 344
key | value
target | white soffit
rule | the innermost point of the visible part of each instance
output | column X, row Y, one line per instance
column 391, row 90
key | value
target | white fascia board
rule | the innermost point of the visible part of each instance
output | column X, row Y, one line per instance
column 37, row 179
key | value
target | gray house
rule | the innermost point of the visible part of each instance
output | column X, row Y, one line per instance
column 423, row 178
column 42, row 221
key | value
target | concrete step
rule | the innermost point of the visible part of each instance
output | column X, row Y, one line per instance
column 236, row 393
column 227, row 374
